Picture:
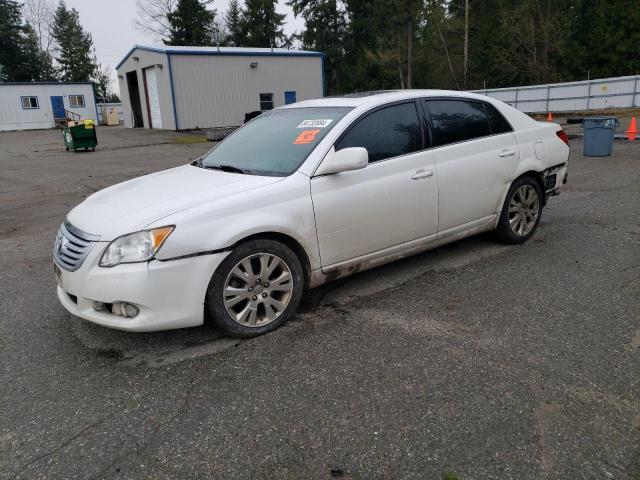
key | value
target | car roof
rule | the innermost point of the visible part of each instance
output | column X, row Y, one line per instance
column 365, row 101
column 372, row 99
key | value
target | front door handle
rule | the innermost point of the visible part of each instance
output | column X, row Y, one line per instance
column 422, row 173
column 507, row 153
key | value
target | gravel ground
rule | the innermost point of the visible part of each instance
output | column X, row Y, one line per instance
column 477, row 359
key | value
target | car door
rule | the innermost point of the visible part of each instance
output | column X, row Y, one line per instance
column 475, row 159
column 391, row 201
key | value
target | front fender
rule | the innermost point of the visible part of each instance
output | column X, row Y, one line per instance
column 284, row 207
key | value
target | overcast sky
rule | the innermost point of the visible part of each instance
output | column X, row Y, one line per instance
column 111, row 24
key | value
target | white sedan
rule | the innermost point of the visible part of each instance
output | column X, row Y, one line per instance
column 299, row 196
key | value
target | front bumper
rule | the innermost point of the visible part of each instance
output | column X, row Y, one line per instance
column 168, row 294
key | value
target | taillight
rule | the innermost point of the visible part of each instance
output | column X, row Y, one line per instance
column 563, row 136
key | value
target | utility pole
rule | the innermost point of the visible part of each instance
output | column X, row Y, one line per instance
column 466, row 42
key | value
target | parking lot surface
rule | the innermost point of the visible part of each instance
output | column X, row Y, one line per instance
column 476, row 360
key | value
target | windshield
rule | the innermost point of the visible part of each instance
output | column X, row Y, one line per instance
column 274, row 143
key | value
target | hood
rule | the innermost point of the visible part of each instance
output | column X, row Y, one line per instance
column 132, row 205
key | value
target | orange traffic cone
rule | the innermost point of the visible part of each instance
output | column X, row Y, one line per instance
column 549, row 117
column 632, row 130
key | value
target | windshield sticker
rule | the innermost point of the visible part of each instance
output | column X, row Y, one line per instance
column 319, row 123
column 305, row 137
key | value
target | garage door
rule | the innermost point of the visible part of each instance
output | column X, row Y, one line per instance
column 154, row 100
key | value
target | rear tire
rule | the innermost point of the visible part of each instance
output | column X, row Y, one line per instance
column 521, row 211
column 256, row 289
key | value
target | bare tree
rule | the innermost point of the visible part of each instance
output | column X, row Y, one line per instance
column 103, row 81
column 152, row 17
column 219, row 32
column 39, row 14
column 536, row 30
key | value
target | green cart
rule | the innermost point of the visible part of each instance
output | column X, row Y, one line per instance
column 82, row 135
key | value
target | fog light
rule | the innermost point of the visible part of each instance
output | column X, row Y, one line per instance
column 124, row 309
column 100, row 307
column 121, row 309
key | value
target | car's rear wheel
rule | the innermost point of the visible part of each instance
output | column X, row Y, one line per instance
column 256, row 289
column 521, row 211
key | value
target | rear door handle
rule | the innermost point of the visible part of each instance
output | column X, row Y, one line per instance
column 422, row 173
column 507, row 153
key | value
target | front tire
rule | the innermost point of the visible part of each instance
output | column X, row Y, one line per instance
column 256, row 289
column 521, row 211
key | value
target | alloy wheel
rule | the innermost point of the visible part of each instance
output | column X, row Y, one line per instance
column 258, row 290
column 524, row 209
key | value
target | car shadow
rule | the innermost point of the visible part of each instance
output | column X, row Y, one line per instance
column 171, row 346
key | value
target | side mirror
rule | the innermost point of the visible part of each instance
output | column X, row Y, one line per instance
column 352, row 158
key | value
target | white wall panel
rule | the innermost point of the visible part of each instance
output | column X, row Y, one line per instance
column 216, row 91
column 154, row 100
column 617, row 92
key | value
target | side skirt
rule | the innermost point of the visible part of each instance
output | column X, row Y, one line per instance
column 397, row 252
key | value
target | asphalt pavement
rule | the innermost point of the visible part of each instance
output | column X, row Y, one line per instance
column 474, row 361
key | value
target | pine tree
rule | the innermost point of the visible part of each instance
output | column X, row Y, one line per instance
column 367, row 25
column 262, row 25
column 325, row 31
column 233, row 22
column 191, row 23
column 21, row 58
column 47, row 71
column 30, row 63
column 102, row 81
column 75, row 57
column 604, row 39
column 11, row 32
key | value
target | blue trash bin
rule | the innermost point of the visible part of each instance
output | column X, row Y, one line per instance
column 598, row 136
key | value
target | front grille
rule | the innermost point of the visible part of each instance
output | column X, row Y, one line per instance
column 72, row 246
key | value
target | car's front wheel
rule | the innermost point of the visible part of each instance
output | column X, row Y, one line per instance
column 521, row 211
column 256, row 289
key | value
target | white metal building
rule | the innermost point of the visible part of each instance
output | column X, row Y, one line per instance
column 179, row 88
column 33, row 105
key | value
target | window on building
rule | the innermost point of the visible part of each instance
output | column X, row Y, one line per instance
column 266, row 101
column 76, row 101
column 388, row 132
column 29, row 102
column 457, row 120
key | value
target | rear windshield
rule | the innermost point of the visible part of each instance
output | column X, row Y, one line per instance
column 276, row 142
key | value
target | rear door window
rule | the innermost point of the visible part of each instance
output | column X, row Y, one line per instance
column 389, row 132
column 457, row 120
column 497, row 122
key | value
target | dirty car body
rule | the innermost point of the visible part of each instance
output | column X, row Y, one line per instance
column 299, row 196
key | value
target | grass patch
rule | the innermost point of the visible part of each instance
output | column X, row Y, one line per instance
column 450, row 476
column 190, row 139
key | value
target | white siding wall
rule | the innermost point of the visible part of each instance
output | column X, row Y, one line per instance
column 603, row 93
column 147, row 59
column 14, row 117
column 216, row 91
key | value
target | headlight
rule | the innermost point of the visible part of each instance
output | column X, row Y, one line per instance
column 135, row 247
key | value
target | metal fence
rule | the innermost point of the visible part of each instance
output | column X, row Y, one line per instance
column 118, row 107
column 597, row 94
